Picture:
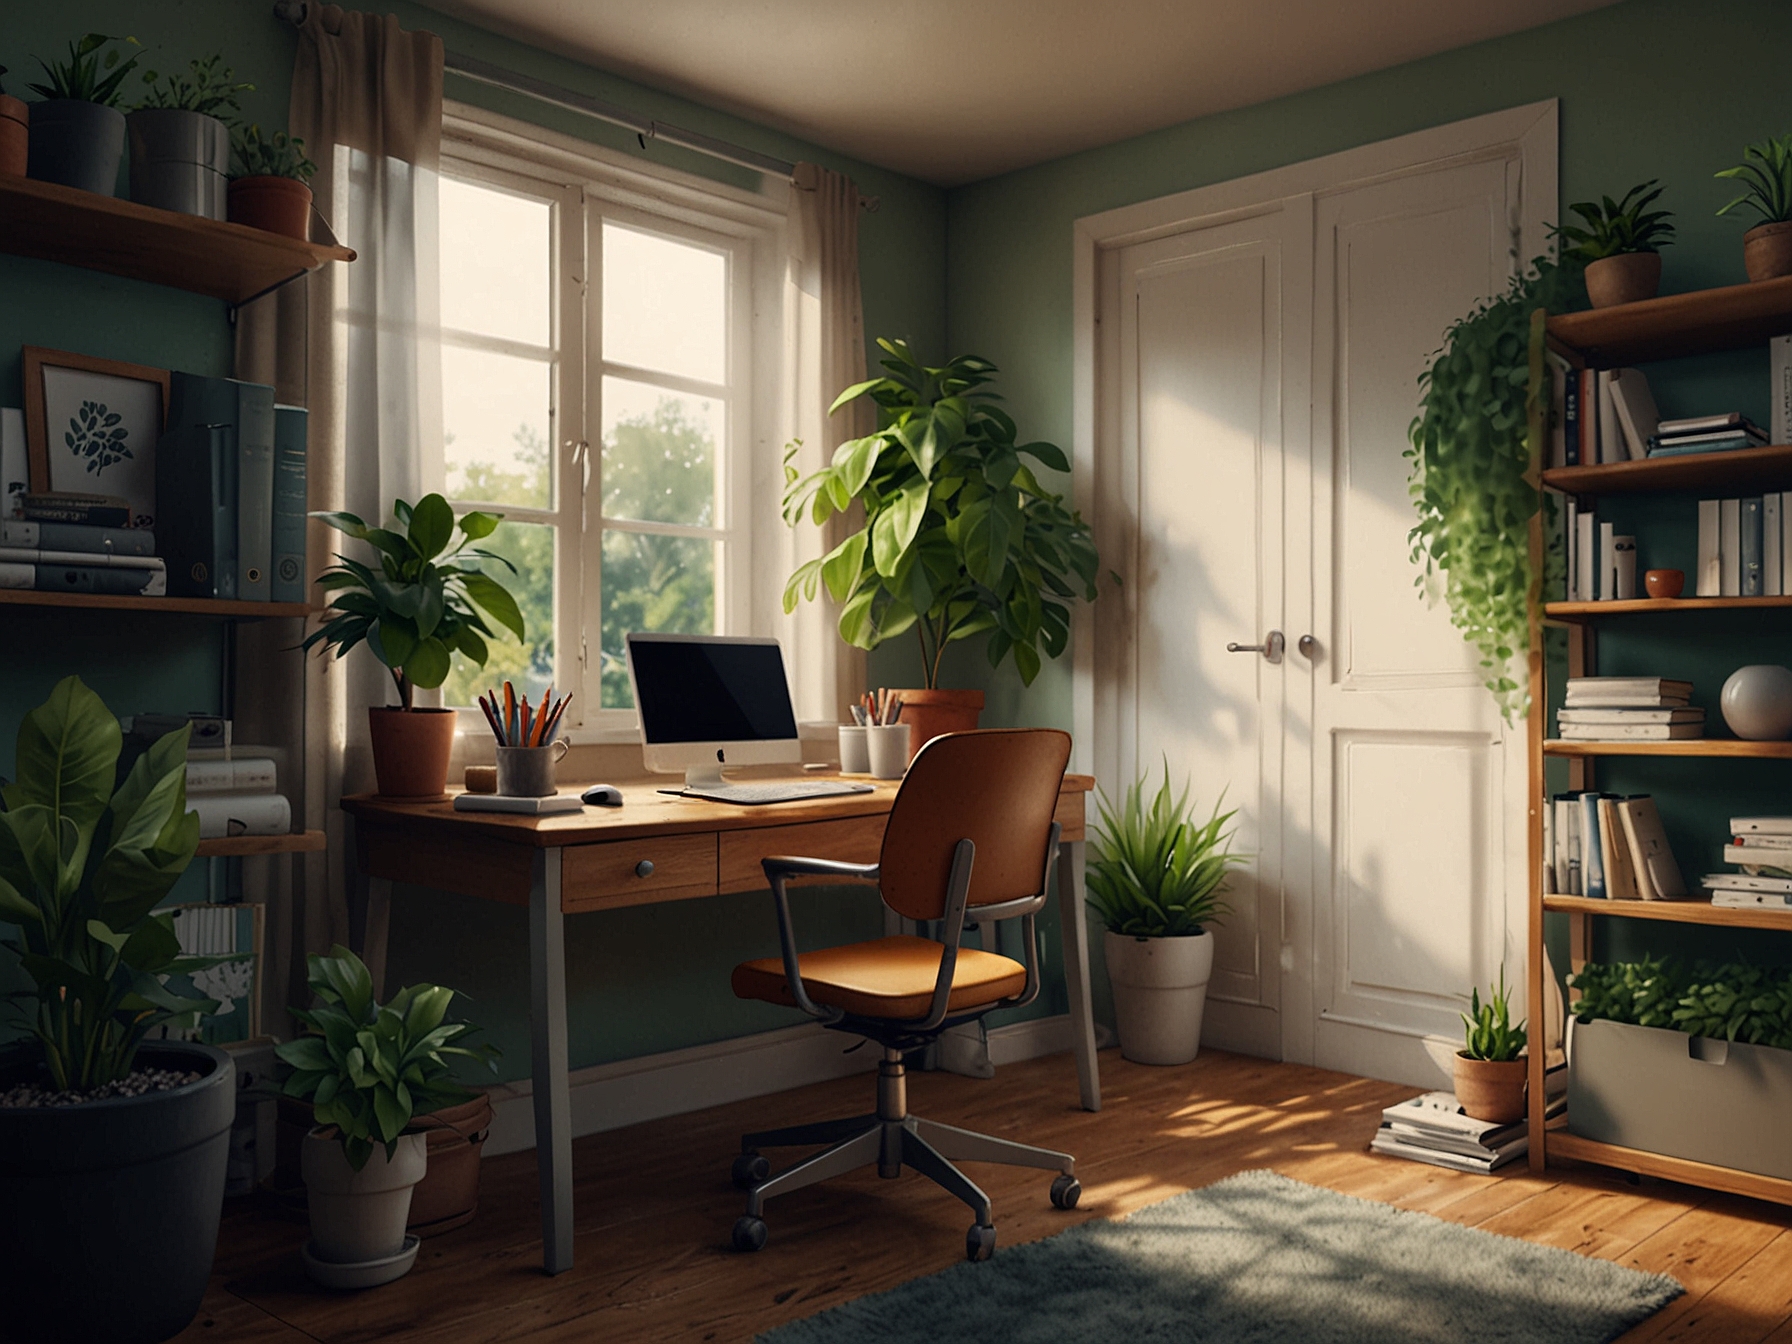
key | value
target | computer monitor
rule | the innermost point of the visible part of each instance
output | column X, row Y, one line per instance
column 709, row 701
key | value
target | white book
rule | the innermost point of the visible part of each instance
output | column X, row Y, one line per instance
column 1587, row 561
column 31, row 555
column 1635, row 405
column 1389, row 1146
column 535, row 807
column 1780, row 359
column 1657, row 873
column 1729, row 547
column 1684, row 714
column 1561, row 810
column 1761, row 825
column 1608, row 565
column 1752, row 900
column 226, row 814
column 1708, row 577
column 1608, row 700
column 1758, row 856
column 1630, row 732
column 1611, row 437
column 1745, row 882
column 1786, row 543
column 1707, row 424
column 1772, row 564
column 1763, row 840
column 1630, row 685
column 18, row 576
column 236, row 775
column 15, row 467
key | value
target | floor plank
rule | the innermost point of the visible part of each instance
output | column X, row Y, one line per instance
column 654, row 1208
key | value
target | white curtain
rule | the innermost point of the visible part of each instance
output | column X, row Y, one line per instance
column 357, row 344
column 824, row 352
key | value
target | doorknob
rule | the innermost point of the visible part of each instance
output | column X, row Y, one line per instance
column 1308, row 646
column 1271, row 647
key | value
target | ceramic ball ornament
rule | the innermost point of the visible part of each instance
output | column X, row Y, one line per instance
column 1757, row 702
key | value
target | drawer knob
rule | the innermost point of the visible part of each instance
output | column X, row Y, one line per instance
column 644, row 868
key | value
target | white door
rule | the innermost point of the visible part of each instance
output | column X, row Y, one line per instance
column 1257, row 375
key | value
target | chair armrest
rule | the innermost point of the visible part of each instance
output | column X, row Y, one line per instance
column 785, row 866
column 778, row 870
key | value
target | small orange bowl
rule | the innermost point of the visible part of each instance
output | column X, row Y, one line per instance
column 1664, row 582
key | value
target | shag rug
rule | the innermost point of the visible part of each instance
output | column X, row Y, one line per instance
column 1257, row 1259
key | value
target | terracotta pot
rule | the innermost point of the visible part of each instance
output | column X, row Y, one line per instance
column 15, row 135
column 277, row 204
column 448, row 1195
column 1664, row 582
column 930, row 713
column 410, row 751
column 1625, row 278
column 1767, row 250
column 1491, row 1089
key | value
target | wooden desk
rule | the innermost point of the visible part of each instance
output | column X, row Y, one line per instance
column 655, row 847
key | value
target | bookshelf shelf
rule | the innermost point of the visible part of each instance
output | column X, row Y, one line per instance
column 1580, row 611
column 101, row 233
column 247, row 846
column 191, row 606
column 1740, row 471
column 1699, row 323
column 1699, row 911
column 1703, row 746
column 1563, row 1144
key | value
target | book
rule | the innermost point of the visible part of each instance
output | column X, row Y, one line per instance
column 1729, row 547
column 22, row 532
column 1724, row 443
column 498, row 802
column 1772, row 560
column 1566, row 859
column 1570, row 416
column 287, row 583
column 1611, row 437
column 1708, row 424
column 1752, row 545
column 118, row 581
column 1786, row 543
column 30, row 555
column 1760, row 860
column 1752, row 900
column 244, row 412
column 1708, row 577
column 1608, row 565
column 1630, row 732
column 1779, row 353
column 196, row 487
column 1746, row 882
column 1637, row 416
column 1586, row 558
column 1389, row 1144
column 1683, row 714
column 1584, row 687
column 227, row 814
column 15, row 464
column 1592, row 848
column 244, row 774
column 1657, row 873
column 1589, row 417
column 1761, row 825
column 1620, row 872
column 1782, row 843
column 67, row 507
column 1550, row 866
column 207, row 730
column 1571, row 548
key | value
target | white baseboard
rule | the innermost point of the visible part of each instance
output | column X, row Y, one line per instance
column 628, row 1092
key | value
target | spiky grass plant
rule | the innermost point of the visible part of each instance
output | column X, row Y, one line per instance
column 1153, row 870
column 1489, row 1033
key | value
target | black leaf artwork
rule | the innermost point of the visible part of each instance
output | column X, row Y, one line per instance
column 95, row 432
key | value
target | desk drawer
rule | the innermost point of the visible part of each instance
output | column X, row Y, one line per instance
column 605, row 876
column 850, row 839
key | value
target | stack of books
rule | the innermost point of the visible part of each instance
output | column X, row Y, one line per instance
column 1745, row 547
column 1628, row 709
column 233, row 789
column 1706, row 434
column 1761, row 849
column 1432, row 1128
column 1599, row 415
column 77, row 557
column 1609, row 848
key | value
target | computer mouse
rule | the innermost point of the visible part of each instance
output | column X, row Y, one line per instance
column 602, row 795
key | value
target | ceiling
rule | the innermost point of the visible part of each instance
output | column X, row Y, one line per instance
column 953, row 91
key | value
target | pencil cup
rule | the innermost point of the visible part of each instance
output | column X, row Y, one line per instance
column 887, row 746
column 528, row 772
column 855, row 756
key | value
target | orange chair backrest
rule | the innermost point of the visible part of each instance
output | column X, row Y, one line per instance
column 998, row 788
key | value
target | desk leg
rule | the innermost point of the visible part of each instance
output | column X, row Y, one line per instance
column 369, row 919
column 547, row 1037
column 1075, row 932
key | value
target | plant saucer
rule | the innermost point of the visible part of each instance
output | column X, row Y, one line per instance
column 364, row 1273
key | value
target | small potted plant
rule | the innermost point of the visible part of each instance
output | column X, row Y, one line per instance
column 180, row 146
column 269, row 190
column 1766, row 176
column 77, row 132
column 1155, row 876
column 370, row 1071
column 959, row 537
column 1489, row 1069
column 1621, row 245
column 113, row 1147
column 416, row 607
column 15, row 133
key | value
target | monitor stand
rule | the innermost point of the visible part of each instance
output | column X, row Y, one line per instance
column 705, row 776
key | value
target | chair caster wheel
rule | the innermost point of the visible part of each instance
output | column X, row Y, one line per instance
column 979, row 1242
column 1066, row 1190
column 749, row 1170
column 750, row 1233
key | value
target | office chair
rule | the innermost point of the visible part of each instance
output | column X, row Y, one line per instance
column 970, row 841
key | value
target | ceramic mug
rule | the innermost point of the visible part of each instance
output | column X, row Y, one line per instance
column 855, row 755
column 1660, row 583
column 528, row 772
column 887, row 745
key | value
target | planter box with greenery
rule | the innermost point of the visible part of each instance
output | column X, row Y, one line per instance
column 269, row 189
column 180, row 144
column 113, row 1153
column 77, row 132
column 1766, row 175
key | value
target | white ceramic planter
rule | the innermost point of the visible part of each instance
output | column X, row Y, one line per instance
column 1160, row 990
column 359, row 1216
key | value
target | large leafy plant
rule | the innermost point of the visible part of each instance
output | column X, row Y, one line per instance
column 92, row 73
column 959, row 536
column 1153, row 870
column 1766, row 176
column 1488, row 1031
column 370, row 1069
column 1616, row 227
column 1472, row 479
column 423, row 601
column 82, row 868
column 209, row 86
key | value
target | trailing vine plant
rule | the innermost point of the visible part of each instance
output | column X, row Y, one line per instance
column 1471, row 476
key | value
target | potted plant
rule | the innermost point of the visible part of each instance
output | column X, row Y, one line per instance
column 77, row 132
column 1621, row 245
column 370, row 1071
column 180, row 147
column 415, row 611
column 1766, row 175
column 112, row 1147
column 15, row 134
column 269, row 191
column 1155, row 876
column 1489, row 1069
column 959, row 537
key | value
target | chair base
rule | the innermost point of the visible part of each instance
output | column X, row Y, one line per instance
column 891, row 1138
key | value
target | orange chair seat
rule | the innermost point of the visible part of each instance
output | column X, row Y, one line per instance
column 885, row 977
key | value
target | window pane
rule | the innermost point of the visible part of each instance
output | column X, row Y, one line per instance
column 529, row 666
column 660, row 454
column 665, row 305
column 495, row 262
column 495, row 414
column 663, row 584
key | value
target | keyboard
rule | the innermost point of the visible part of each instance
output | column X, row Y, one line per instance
column 774, row 792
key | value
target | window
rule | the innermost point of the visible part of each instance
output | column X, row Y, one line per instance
column 599, row 358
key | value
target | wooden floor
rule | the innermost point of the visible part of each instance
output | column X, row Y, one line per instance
column 655, row 1206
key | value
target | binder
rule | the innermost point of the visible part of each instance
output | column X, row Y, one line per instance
column 1772, row 565
column 1751, row 528
column 196, row 484
column 1708, row 578
column 288, row 563
column 254, row 490
column 1729, row 546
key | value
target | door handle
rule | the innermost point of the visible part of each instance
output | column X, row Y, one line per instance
column 1271, row 647
column 1308, row 646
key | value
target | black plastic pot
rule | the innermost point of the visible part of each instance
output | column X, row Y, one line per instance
column 76, row 143
column 179, row 160
column 111, row 1208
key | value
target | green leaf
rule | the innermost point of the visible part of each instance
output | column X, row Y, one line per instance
column 344, row 522
column 476, row 525
column 66, row 756
column 496, row 600
column 431, row 526
column 840, row 568
column 429, row 664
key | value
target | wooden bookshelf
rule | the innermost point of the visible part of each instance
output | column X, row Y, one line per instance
column 1729, row 1179
column 102, row 233
column 1702, row 746
column 248, row 846
column 1640, row 606
column 1740, row 471
column 1699, row 323
column 191, row 606
column 1699, row 911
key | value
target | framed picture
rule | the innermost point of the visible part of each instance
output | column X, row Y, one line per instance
column 91, row 427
